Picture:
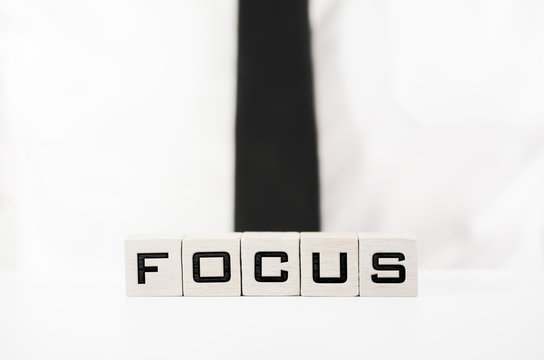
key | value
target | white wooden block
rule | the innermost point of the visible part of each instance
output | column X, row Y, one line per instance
column 329, row 264
column 211, row 265
column 153, row 265
column 270, row 263
column 388, row 265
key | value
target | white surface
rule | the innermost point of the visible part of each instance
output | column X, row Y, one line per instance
column 458, row 315
column 117, row 117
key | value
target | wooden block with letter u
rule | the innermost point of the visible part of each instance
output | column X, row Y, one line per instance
column 388, row 265
column 329, row 264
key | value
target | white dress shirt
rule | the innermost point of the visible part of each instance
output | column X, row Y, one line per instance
column 117, row 117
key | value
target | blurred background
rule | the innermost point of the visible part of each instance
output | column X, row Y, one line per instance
column 117, row 117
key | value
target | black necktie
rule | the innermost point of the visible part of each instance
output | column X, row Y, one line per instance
column 277, row 184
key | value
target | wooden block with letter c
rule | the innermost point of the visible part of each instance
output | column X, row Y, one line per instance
column 270, row 263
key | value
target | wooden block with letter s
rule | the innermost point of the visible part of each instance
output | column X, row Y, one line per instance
column 270, row 263
column 153, row 265
column 211, row 265
column 388, row 265
column 329, row 264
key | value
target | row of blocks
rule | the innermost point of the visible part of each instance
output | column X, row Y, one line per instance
column 272, row 264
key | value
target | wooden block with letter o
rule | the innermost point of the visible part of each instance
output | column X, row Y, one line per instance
column 388, row 265
column 153, row 265
column 329, row 264
column 211, row 265
column 270, row 263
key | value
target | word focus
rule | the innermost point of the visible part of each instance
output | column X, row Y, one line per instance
column 272, row 264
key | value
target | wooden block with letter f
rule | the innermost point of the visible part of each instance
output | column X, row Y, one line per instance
column 153, row 265
column 329, row 264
